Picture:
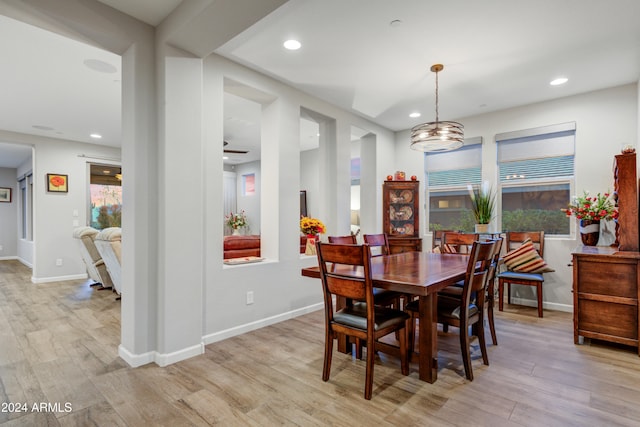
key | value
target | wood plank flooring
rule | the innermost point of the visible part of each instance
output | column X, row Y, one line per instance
column 58, row 346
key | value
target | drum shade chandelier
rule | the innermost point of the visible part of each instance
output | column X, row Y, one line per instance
column 437, row 136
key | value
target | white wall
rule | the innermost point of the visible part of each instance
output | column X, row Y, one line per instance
column 605, row 120
column 279, row 290
column 9, row 215
column 54, row 212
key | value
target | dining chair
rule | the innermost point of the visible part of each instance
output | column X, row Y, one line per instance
column 517, row 251
column 462, row 311
column 436, row 241
column 458, row 242
column 343, row 240
column 456, row 290
column 380, row 242
column 345, row 271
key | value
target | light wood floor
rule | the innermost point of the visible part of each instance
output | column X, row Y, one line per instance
column 58, row 345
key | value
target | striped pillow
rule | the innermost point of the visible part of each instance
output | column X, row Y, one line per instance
column 526, row 259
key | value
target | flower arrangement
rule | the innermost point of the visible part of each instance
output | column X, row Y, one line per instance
column 311, row 226
column 483, row 201
column 236, row 220
column 595, row 208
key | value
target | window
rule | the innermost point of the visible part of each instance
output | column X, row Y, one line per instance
column 448, row 175
column 536, row 168
column 106, row 196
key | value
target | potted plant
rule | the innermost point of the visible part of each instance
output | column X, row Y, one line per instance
column 590, row 210
column 482, row 205
column 236, row 221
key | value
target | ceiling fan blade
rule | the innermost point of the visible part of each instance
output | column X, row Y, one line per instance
column 236, row 151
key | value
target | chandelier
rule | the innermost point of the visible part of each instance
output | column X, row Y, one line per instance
column 438, row 135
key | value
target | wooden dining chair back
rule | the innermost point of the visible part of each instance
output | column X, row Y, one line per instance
column 514, row 240
column 344, row 240
column 459, row 243
column 351, row 279
column 467, row 308
column 491, row 288
column 436, row 241
column 379, row 244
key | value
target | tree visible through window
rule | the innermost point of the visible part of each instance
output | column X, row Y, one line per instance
column 106, row 196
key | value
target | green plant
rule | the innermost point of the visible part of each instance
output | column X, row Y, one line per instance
column 483, row 201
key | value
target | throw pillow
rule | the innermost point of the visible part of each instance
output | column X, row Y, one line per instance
column 526, row 259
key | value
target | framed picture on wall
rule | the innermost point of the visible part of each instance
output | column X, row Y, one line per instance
column 5, row 195
column 57, row 183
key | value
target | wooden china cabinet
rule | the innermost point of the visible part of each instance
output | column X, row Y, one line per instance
column 606, row 280
column 401, row 215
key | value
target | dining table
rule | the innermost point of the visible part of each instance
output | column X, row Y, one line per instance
column 422, row 275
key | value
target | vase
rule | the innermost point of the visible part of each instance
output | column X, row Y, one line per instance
column 482, row 228
column 589, row 231
column 310, row 249
column 236, row 232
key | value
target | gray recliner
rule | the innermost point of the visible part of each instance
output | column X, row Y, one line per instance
column 96, row 268
column 108, row 242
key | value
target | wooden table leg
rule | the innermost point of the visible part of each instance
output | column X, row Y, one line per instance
column 428, row 338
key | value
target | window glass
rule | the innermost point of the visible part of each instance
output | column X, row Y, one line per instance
column 536, row 207
column 536, row 176
column 448, row 175
column 106, row 196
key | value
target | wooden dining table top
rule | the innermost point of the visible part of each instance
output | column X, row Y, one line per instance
column 416, row 273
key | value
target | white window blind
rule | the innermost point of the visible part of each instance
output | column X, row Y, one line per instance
column 546, row 152
column 455, row 168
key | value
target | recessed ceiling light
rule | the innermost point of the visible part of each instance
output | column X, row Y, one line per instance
column 225, row 157
column 414, row 115
column 559, row 81
column 292, row 44
column 95, row 136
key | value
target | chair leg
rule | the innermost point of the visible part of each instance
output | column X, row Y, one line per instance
column 500, row 294
column 445, row 327
column 328, row 350
column 411, row 333
column 509, row 293
column 492, row 326
column 466, row 351
column 479, row 332
column 358, row 345
column 539, row 292
column 404, row 354
column 368, row 382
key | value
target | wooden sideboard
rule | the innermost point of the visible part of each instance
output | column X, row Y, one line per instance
column 404, row 244
column 605, row 294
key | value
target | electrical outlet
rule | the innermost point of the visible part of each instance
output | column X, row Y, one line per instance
column 59, row 262
column 249, row 297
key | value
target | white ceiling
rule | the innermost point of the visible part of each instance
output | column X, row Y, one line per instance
column 497, row 54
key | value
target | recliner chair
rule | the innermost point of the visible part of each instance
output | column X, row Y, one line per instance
column 96, row 269
column 108, row 242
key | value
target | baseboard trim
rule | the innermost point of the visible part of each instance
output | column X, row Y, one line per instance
column 9, row 258
column 58, row 278
column 177, row 356
column 554, row 306
column 135, row 360
column 25, row 262
column 248, row 327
